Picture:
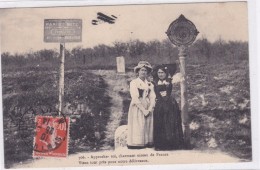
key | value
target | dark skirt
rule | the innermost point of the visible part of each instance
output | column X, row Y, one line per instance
column 168, row 134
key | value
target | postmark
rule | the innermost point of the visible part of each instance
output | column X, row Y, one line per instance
column 51, row 137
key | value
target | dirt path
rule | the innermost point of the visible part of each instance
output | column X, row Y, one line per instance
column 165, row 157
column 115, row 83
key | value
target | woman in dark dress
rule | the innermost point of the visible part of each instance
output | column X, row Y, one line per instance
column 168, row 134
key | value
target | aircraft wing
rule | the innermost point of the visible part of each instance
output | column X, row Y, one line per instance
column 106, row 20
column 105, row 16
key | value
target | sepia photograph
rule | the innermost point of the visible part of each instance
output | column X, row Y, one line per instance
column 126, row 84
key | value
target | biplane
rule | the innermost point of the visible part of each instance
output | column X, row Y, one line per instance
column 104, row 18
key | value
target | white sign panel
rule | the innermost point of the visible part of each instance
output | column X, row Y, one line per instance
column 62, row 30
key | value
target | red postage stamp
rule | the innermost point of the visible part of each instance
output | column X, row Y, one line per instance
column 51, row 137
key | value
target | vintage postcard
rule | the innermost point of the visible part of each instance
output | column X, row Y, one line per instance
column 125, row 85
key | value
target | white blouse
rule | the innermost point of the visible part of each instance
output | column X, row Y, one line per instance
column 148, row 93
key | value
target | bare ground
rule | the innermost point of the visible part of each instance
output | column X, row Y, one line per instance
column 173, row 157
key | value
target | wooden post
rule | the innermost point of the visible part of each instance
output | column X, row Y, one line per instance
column 182, row 33
column 184, row 103
column 61, row 78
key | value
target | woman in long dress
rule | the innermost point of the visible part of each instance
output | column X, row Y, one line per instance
column 140, row 115
column 168, row 134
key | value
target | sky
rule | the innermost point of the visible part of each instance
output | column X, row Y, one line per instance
column 22, row 28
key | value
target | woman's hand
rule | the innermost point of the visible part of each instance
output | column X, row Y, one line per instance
column 177, row 78
column 163, row 93
column 146, row 113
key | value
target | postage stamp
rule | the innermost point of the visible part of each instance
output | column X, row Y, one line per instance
column 51, row 137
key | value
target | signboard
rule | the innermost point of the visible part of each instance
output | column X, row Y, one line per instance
column 62, row 30
column 182, row 31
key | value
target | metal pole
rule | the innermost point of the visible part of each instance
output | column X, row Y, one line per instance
column 61, row 78
column 184, row 103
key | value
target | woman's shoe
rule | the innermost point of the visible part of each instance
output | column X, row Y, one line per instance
column 149, row 146
column 135, row 147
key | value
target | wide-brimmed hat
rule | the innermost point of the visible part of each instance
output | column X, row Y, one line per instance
column 141, row 64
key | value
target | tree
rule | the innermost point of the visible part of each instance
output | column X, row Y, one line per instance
column 203, row 48
column 136, row 48
column 45, row 55
column 218, row 51
column 120, row 48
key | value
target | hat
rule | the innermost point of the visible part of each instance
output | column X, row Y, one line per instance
column 141, row 64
